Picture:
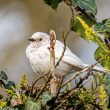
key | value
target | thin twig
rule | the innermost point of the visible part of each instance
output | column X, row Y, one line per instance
column 40, row 92
column 37, row 81
column 64, row 49
column 72, row 11
column 82, row 80
column 82, row 71
column 89, row 69
column 61, row 81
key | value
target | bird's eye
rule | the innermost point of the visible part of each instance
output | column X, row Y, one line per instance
column 40, row 39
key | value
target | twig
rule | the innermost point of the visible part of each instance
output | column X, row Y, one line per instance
column 73, row 77
column 89, row 69
column 61, row 81
column 37, row 80
column 82, row 71
column 69, row 96
column 64, row 49
column 82, row 80
column 72, row 11
column 87, row 82
column 40, row 92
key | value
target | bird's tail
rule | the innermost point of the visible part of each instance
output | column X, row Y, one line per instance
column 99, row 69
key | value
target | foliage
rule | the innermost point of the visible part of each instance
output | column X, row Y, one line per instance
column 39, row 97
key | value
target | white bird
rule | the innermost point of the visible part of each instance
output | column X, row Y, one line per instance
column 39, row 56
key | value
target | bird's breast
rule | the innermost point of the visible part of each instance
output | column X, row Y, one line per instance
column 40, row 60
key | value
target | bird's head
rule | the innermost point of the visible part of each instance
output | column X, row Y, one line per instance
column 38, row 38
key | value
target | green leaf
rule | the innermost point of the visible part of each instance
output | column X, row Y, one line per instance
column 103, row 27
column 31, row 105
column 75, row 2
column 10, row 85
column 3, row 75
column 100, row 28
column 107, row 23
column 76, row 26
column 1, row 96
column 98, row 55
column 45, row 97
column 88, row 5
column 53, row 3
column 107, row 84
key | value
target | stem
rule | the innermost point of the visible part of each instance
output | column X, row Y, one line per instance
column 52, row 52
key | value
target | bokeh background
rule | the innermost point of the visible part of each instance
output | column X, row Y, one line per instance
column 19, row 19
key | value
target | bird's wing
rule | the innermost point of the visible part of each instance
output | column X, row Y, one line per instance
column 68, row 57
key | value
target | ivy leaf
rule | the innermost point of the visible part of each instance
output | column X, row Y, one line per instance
column 31, row 105
column 76, row 26
column 100, row 28
column 3, row 75
column 89, row 6
column 10, row 85
column 103, row 27
column 107, row 24
column 98, row 55
column 45, row 97
column 53, row 3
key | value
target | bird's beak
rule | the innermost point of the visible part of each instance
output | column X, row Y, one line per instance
column 31, row 39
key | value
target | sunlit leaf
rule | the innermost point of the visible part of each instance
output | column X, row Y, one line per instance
column 98, row 55
column 77, row 27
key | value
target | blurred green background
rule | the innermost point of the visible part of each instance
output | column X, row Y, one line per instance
column 19, row 19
